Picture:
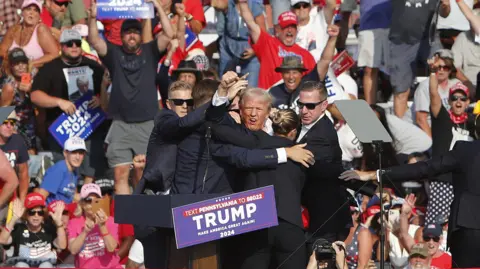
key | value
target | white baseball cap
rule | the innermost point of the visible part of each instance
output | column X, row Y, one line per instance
column 75, row 143
column 294, row 2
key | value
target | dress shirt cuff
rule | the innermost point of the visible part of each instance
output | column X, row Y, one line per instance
column 282, row 155
column 219, row 100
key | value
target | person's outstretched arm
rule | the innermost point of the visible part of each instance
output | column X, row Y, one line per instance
column 163, row 39
column 248, row 18
column 93, row 37
column 472, row 18
column 328, row 52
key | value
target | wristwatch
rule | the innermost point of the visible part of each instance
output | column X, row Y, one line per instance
column 189, row 17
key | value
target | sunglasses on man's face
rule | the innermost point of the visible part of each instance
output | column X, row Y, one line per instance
column 10, row 122
column 434, row 238
column 70, row 43
column 301, row 5
column 180, row 102
column 310, row 106
column 41, row 213
column 454, row 98
column 60, row 4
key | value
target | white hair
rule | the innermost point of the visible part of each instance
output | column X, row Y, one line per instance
column 256, row 93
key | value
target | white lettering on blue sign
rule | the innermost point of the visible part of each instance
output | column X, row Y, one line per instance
column 120, row 3
column 75, row 122
column 235, row 213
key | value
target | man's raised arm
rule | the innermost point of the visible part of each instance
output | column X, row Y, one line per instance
column 166, row 35
column 247, row 16
column 93, row 37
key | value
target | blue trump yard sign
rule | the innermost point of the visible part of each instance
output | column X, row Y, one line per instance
column 82, row 123
column 224, row 216
column 124, row 9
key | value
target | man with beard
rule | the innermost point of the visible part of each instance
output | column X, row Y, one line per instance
column 271, row 50
column 50, row 91
column 133, row 101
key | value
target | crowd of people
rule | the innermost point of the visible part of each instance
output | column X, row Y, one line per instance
column 178, row 120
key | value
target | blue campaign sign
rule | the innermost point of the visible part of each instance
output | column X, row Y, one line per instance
column 224, row 216
column 124, row 9
column 82, row 123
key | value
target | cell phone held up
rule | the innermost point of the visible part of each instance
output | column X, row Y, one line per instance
column 102, row 203
column 26, row 78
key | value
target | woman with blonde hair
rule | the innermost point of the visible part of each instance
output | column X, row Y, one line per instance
column 34, row 37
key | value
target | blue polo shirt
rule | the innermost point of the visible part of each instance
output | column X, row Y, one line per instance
column 60, row 183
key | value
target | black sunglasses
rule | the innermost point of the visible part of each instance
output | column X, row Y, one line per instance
column 65, row 213
column 454, row 98
column 180, row 102
column 41, row 213
column 10, row 122
column 88, row 200
column 70, row 43
column 434, row 238
column 301, row 5
column 65, row 4
column 310, row 106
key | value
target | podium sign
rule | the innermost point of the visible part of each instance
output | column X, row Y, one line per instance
column 224, row 216
column 124, row 9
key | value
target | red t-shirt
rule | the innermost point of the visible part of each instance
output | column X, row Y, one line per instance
column 442, row 262
column 195, row 8
column 112, row 29
column 46, row 18
column 270, row 52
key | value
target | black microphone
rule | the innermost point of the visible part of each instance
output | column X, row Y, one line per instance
column 208, row 136
column 208, row 133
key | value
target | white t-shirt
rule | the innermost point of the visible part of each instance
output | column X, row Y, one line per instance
column 313, row 36
column 408, row 138
column 455, row 20
column 421, row 99
column 136, row 252
column 399, row 258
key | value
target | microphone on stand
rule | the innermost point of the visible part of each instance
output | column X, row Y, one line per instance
column 208, row 136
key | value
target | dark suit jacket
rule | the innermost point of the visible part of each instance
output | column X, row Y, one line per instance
column 168, row 131
column 287, row 179
column 216, row 163
column 323, row 193
column 464, row 164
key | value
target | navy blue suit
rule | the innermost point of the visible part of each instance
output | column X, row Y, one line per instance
column 216, row 164
column 323, row 194
column 285, row 242
column 168, row 131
